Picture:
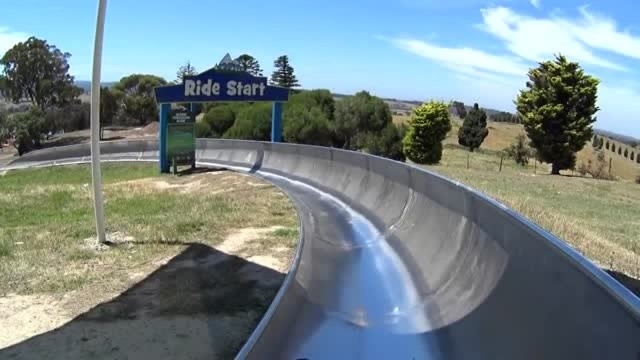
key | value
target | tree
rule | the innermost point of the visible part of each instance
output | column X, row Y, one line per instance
column 460, row 109
column 428, row 127
column 137, row 98
column 108, row 108
column 358, row 114
column 632, row 156
column 557, row 109
column 596, row 142
column 304, row 125
column 474, row 129
column 185, row 70
column 249, row 64
column 619, row 150
column 613, row 147
column 283, row 74
column 321, row 98
column 38, row 72
column 626, row 153
column 519, row 151
column 607, row 146
column 601, row 144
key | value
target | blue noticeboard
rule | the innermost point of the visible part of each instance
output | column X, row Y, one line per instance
column 211, row 86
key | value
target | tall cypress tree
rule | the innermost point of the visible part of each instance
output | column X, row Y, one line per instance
column 283, row 74
column 474, row 129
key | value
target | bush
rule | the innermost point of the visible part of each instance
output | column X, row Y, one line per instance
column 203, row 130
column 27, row 129
column 306, row 126
column 597, row 170
column 252, row 123
column 428, row 127
column 519, row 151
column 358, row 114
column 219, row 119
column 387, row 143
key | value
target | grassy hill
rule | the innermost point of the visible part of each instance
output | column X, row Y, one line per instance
column 501, row 135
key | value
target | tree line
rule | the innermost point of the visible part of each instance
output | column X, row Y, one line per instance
column 598, row 143
column 557, row 114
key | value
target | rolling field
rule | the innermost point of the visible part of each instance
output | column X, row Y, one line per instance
column 600, row 219
column 501, row 135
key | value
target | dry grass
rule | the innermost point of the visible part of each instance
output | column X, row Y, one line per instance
column 601, row 219
column 47, row 215
column 194, row 262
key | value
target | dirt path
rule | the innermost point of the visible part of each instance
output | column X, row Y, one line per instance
column 200, row 304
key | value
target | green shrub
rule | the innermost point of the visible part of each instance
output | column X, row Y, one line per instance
column 387, row 143
column 252, row 123
column 474, row 129
column 220, row 119
column 28, row 129
column 361, row 113
column 306, row 126
column 519, row 151
column 203, row 130
column 428, row 127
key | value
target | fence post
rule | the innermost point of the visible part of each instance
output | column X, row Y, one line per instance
column 535, row 166
column 609, row 166
column 501, row 157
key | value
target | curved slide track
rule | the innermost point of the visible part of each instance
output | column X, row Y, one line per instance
column 396, row 262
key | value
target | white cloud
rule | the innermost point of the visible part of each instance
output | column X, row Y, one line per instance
column 468, row 61
column 538, row 39
column 602, row 33
column 535, row 3
column 8, row 39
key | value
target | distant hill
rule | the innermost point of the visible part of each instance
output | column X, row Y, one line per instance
column 625, row 139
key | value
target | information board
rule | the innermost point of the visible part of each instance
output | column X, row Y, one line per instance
column 181, row 137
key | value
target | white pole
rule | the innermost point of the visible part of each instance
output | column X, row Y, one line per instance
column 96, row 176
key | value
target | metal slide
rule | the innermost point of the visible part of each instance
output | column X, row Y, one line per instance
column 399, row 263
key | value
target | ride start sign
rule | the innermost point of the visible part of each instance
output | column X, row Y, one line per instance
column 219, row 84
column 181, row 137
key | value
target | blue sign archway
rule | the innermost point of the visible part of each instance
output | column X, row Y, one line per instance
column 211, row 86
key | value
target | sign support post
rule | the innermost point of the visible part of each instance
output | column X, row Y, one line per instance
column 276, row 122
column 165, row 109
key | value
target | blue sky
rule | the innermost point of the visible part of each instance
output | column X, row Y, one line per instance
column 471, row 50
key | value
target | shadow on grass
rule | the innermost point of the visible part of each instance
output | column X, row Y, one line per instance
column 629, row 282
column 203, row 303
